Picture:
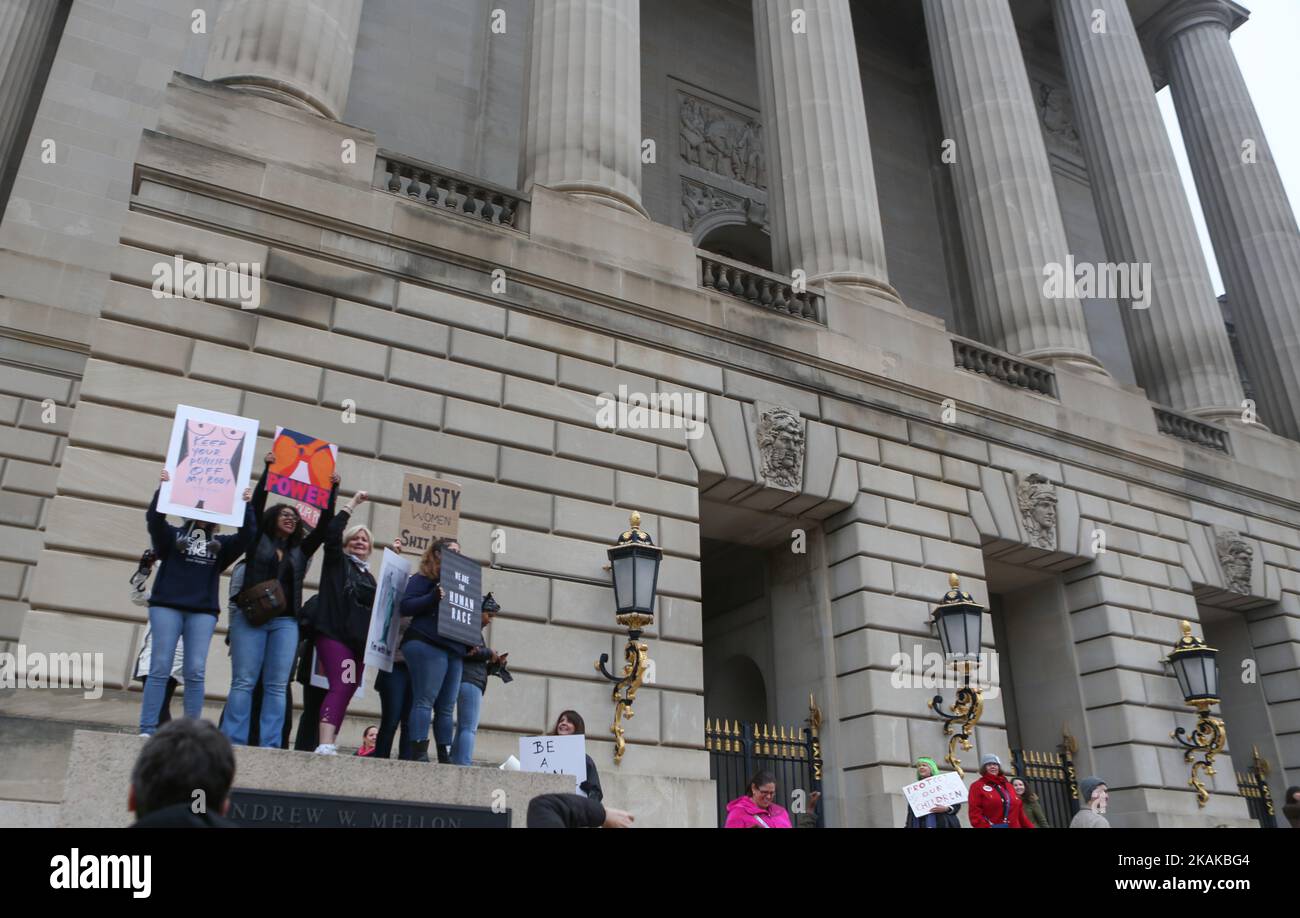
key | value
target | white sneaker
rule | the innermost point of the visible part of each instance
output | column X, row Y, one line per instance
column 327, row 749
column 146, row 735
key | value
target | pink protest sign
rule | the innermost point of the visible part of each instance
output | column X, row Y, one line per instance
column 210, row 460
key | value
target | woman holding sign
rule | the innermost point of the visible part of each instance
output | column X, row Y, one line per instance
column 939, row 817
column 340, row 616
column 186, row 601
column 435, row 661
column 264, row 615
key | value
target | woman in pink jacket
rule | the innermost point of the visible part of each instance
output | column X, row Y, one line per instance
column 758, row 810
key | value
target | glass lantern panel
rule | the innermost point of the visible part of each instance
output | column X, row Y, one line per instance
column 624, row 582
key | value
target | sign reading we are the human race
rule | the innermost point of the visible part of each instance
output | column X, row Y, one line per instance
column 430, row 511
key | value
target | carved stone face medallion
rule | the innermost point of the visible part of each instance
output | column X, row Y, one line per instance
column 781, row 447
column 1037, row 499
column 1236, row 559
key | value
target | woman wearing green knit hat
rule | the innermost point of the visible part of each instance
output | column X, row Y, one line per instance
column 939, row 817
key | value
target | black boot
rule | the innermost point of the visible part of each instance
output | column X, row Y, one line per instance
column 420, row 751
column 444, row 755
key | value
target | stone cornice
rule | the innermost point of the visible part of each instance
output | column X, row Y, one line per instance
column 387, row 234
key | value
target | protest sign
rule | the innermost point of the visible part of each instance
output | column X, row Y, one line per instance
column 459, row 616
column 385, row 614
column 559, row 755
column 210, row 460
column 946, row 789
column 430, row 511
column 302, row 472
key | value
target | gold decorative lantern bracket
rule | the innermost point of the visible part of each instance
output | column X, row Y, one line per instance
column 1209, row 736
column 968, row 707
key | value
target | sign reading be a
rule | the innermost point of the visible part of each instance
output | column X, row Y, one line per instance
column 559, row 755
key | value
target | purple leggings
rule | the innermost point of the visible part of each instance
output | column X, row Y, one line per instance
column 338, row 660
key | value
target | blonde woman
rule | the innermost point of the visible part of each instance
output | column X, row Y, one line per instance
column 341, row 616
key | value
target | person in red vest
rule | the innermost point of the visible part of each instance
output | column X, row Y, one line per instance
column 993, row 801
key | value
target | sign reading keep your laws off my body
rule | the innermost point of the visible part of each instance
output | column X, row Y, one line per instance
column 430, row 511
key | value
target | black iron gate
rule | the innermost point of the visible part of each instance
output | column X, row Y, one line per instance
column 738, row 750
column 1254, row 788
column 1051, row 775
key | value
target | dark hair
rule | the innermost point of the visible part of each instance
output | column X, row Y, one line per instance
column 184, row 756
column 1030, row 794
column 426, row 560
column 760, row 778
column 269, row 528
column 573, row 717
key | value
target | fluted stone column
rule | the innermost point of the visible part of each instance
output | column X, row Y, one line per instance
column 1250, row 220
column 295, row 51
column 1179, row 344
column 24, row 32
column 584, row 100
column 1010, row 219
column 825, row 214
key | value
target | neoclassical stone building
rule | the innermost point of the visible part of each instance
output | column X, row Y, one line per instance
column 824, row 227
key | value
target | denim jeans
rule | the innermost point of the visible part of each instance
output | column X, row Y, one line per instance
column 264, row 652
column 168, row 625
column 435, row 676
column 468, row 704
column 395, row 700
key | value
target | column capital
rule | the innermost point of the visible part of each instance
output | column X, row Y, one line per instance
column 1180, row 15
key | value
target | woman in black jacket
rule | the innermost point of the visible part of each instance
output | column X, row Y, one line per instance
column 340, row 617
column 281, row 554
column 434, row 661
column 480, row 662
column 939, row 817
column 567, row 724
column 186, row 601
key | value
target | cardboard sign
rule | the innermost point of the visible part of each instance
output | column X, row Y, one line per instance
column 944, row 789
column 302, row 471
column 385, row 614
column 557, row 755
column 210, row 459
column 320, row 680
column 460, row 617
column 430, row 511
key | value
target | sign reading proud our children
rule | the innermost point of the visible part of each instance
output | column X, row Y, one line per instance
column 430, row 511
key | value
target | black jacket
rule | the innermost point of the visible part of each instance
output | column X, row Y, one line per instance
column 420, row 603
column 342, row 607
column 261, row 563
column 565, row 811
column 591, row 787
column 478, row 665
column 180, row 816
column 943, row 820
column 189, row 574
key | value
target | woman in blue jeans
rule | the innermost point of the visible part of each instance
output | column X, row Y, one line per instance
column 434, row 661
column 186, row 601
column 282, row 552
column 481, row 661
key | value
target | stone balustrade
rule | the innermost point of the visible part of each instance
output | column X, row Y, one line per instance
column 759, row 287
column 1172, row 424
column 446, row 188
column 1013, row 371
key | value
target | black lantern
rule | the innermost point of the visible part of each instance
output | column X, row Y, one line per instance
column 634, row 562
column 1197, row 671
column 1196, row 668
column 959, row 619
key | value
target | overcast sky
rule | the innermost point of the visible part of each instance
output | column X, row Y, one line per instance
column 1268, row 51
